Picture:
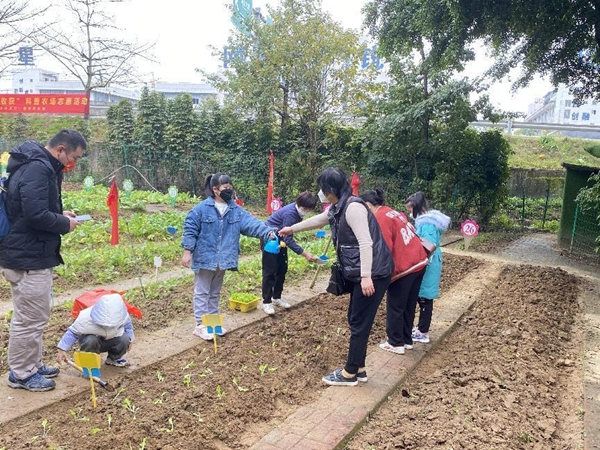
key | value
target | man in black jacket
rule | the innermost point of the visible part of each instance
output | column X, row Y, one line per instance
column 31, row 250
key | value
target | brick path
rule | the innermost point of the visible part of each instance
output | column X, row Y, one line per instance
column 329, row 421
column 326, row 423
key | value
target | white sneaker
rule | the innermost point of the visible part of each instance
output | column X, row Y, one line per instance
column 282, row 303
column 268, row 308
column 203, row 333
column 420, row 337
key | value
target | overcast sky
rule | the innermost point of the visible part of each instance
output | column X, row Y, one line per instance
column 184, row 30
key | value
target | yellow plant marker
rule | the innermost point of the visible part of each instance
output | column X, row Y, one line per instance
column 214, row 325
column 90, row 365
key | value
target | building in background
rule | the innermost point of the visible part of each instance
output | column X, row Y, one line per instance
column 559, row 106
column 32, row 80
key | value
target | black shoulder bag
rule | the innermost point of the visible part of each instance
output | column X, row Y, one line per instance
column 338, row 285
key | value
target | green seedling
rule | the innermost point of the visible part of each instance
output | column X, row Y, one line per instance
column 109, row 420
column 300, row 353
column 243, row 368
column 339, row 330
column 525, row 438
column 274, row 344
column 129, row 406
column 8, row 315
column 221, row 394
column 118, row 393
column 262, row 368
column 141, row 391
column 189, row 365
column 159, row 400
column 46, row 427
column 187, row 379
column 206, row 360
column 318, row 347
column 171, row 426
column 252, row 352
column 75, row 415
column 206, row 373
column 198, row 416
column 325, row 337
column 240, row 388
column 143, row 444
column 95, row 430
column 159, row 376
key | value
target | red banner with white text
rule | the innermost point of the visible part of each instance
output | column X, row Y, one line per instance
column 44, row 104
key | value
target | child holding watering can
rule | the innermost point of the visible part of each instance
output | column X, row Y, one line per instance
column 275, row 262
column 211, row 243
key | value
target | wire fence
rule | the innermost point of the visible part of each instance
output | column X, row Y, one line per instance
column 585, row 235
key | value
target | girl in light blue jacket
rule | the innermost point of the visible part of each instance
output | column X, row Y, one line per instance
column 430, row 225
column 211, row 244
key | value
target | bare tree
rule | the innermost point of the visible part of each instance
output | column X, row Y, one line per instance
column 15, row 17
column 95, row 52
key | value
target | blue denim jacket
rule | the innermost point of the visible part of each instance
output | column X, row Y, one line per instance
column 214, row 240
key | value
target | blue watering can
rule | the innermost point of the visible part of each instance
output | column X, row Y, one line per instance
column 172, row 231
column 272, row 245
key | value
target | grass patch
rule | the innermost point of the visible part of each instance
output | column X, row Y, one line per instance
column 548, row 152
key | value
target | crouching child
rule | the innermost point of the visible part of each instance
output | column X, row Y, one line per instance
column 103, row 327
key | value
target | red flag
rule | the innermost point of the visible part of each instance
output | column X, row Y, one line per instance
column 271, row 181
column 112, row 202
column 355, row 182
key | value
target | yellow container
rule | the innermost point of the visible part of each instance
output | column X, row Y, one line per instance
column 243, row 306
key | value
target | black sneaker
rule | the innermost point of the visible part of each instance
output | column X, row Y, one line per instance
column 362, row 376
column 48, row 372
column 336, row 378
column 35, row 383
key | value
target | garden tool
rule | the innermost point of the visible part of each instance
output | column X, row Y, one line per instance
column 272, row 245
column 100, row 381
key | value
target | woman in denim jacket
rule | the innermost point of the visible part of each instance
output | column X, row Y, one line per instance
column 211, row 243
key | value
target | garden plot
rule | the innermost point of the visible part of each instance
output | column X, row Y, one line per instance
column 260, row 374
column 508, row 377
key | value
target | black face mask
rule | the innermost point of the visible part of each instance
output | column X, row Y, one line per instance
column 226, row 194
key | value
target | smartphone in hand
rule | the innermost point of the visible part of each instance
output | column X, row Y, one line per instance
column 83, row 218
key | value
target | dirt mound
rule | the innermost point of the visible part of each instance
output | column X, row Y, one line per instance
column 261, row 374
column 509, row 377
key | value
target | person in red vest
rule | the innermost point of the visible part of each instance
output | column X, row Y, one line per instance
column 410, row 261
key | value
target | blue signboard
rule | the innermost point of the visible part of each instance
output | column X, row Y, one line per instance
column 26, row 56
column 242, row 10
column 229, row 54
column 370, row 57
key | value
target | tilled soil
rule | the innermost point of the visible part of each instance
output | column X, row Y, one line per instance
column 260, row 374
column 508, row 377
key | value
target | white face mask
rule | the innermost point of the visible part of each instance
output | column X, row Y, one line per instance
column 301, row 211
column 322, row 197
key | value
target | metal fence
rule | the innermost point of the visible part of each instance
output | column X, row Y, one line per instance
column 585, row 235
